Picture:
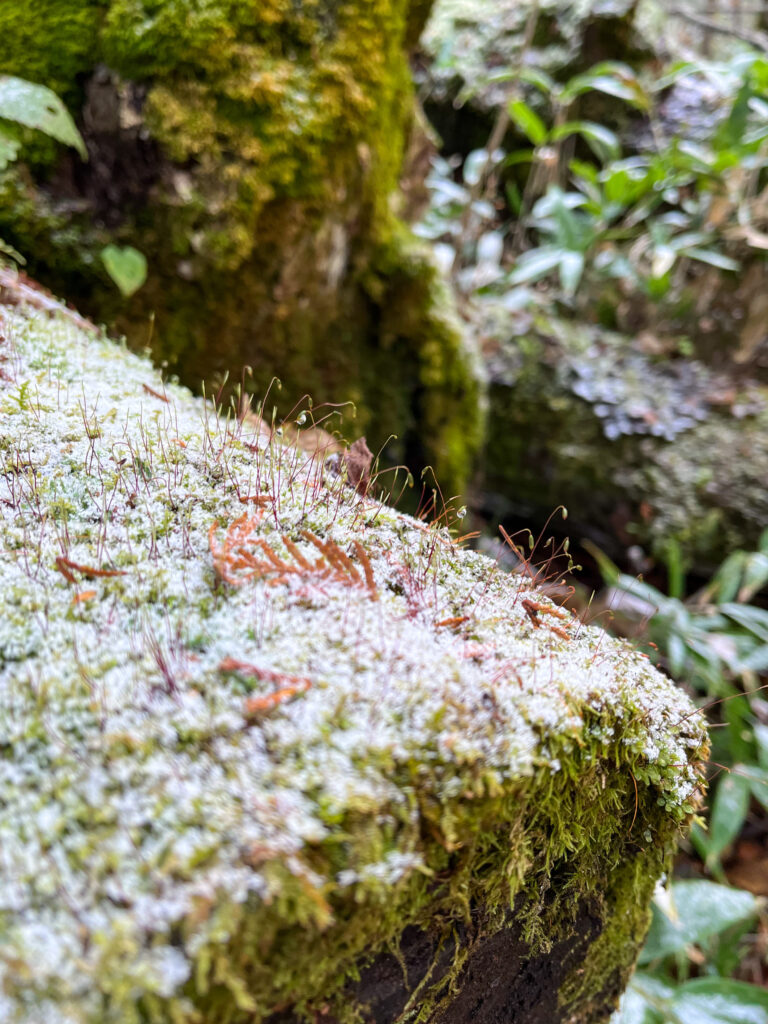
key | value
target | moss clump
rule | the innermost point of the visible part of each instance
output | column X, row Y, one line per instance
column 243, row 751
column 251, row 151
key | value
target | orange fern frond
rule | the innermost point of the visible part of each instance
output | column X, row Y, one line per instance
column 240, row 557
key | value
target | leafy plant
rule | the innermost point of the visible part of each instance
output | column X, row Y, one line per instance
column 717, row 642
column 639, row 217
column 697, row 925
column 26, row 105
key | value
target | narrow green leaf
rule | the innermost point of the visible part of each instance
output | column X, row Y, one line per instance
column 713, row 258
column 528, row 121
column 761, row 738
column 755, row 575
column 758, row 780
column 534, row 265
column 602, row 141
column 571, row 269
column 729, row 811
column 749, row 617
column 611, row 78
column 728, row 577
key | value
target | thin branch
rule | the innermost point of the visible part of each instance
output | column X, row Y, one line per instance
column 757, row 39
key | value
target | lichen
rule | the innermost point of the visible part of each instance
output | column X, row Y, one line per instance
column 251, row 152
column 222, row 790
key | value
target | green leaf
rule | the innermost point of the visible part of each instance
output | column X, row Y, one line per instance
column 9, row 148
column 534, row 265
column 520, row 156
column 35, row 106
column 571, row 269
column 704, row 910
column 728, row 577
column 126, row 266
column 528, row 121
column 731, row 131
column 540, row 79
column 729, row 811
column 761, row 738
column 602, row 141
column 750, row 618
column 612, row 78
column 755, row 575
column 719, row 1001
column 758, row 781
column 608, row 570
column 676, row 654
column 713, row 258
column 11, row 253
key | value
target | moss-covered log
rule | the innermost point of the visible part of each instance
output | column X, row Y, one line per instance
column 640, row 450
column 252, row 152
column 272, row 749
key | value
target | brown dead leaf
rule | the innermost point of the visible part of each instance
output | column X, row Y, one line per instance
column 358, row 460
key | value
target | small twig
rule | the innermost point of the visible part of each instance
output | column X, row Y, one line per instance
column 757, row 39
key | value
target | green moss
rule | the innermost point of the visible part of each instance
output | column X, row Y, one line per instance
column 592, row 991
column 228, row 860
column 49, row 41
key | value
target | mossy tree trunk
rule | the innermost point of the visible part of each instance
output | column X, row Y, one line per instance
column 252, row 151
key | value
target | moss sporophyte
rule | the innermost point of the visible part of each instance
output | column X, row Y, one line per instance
column 254, row 723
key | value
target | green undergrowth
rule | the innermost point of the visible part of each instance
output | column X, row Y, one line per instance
column 253, row 723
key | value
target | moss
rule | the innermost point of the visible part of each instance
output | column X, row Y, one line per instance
column 592, row 991
column 49, row 41
column 262, row 200
column 222, row 859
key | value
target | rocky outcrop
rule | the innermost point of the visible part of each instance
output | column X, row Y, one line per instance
column 272, row 749
column 641, row 449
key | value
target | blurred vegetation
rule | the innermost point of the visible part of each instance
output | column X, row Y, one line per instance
column 632, row 194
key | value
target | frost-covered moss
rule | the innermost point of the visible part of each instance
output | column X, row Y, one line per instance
column 252, row 152
column 228, row 774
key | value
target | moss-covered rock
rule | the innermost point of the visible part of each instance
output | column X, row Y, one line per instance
column 263, row 736
column 641, row 450
column 252, row 152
